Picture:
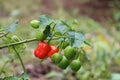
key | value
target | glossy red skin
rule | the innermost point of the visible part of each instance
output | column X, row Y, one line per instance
column 53, row 50
column 42, row 50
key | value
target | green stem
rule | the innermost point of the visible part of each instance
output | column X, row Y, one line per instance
column 5, row 63
column 61, row 46
column 21, row 42
column 52, row 35
column 78, row 58
column 17, row 43
column 58, row 45
column 4, row 34
column 88, row 43
column 53, row 28
column 20, row 59
column 50, row 39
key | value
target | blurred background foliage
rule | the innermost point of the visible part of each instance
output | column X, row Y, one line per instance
column 98, row 19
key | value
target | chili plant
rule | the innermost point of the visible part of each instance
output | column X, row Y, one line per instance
column 48, row 30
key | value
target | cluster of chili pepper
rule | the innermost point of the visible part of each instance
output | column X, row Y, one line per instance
column 71, row 57
column 44, row 49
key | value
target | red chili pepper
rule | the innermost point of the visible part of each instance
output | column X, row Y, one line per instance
column 42, row 50
column 53, row 50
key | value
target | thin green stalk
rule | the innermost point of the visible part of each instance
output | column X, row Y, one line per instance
column 61, row 46
column 20, row 59
column 4, row 34
column 5, row 63
column 17, row 43
column 58, row 46
column 21, row 42
column 52, row 35
column 78, row 58
column 88, row 43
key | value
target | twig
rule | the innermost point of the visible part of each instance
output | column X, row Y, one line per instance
column 4, row 34
column 19, row 59
column 17, row 43
column 24, row 41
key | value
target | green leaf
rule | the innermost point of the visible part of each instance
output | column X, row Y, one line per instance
column 45, row 20
column 60, row 26
column 7, row 41
column 66, row 24
column 57, row 33
column 75, row 38
column 79, row 39
column 12, row 27
column 71, row 37
column 47, row 31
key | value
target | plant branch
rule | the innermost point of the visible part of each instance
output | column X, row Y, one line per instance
column 4, row 34
column 24, row 41
column 19, row 59
column 51, row 32
column 17, row 43
column 5, row 63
